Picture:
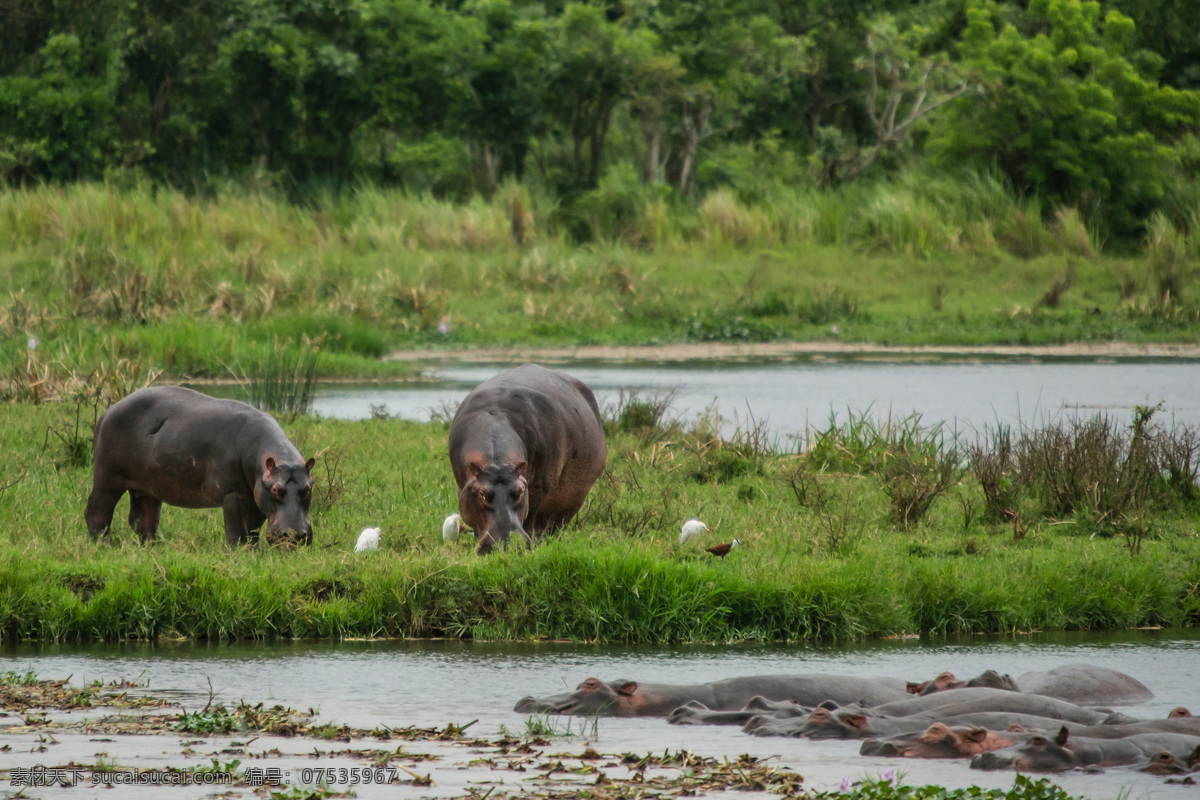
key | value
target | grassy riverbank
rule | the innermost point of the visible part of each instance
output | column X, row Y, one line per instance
column 196, row 286
column 833, row 567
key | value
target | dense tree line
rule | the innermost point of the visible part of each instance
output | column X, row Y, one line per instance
column 1084, row 103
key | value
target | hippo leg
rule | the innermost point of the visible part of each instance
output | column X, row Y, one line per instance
column 99, row 512
column 236, row 518
column 254, row 523
column 143, row 516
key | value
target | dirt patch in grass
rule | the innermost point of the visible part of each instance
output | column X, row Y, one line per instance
column 704, row 351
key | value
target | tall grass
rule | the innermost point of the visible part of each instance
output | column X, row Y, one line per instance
column 187, row 283
column 282, row 381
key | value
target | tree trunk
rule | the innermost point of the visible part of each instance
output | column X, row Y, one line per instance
column 693, row 133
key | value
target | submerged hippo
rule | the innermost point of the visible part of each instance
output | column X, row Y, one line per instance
column 1082, row 684
column 695, row 713
column 1164, row 762
column 631, row 699
column 1086, row 685
column 525, row 447
column 1064, row 751
column 966, row 701
column 172, row 445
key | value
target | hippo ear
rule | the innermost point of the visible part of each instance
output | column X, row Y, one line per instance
column 914, row 688
column 628, row 688
column 308, row 465
column 856, row 721
column 975, row 735
column 1063, row 735
column 1014, row 729
column 268, row 466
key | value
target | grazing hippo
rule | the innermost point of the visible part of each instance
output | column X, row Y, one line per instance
column 1062, row 752
column 631, row 699
column 171, row 445
column 525, row 447
column 942, row 741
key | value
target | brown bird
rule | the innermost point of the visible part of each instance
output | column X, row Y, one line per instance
column 722, row 550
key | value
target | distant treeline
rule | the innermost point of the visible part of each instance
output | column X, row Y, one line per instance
column 1092, row 105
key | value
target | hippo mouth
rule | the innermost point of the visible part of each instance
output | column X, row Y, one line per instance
column 992, row 761
column 532, row 705
column 875, row 747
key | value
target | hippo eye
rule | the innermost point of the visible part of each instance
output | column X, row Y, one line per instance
column 277, row 491
column 517, row 494
column 305, row 493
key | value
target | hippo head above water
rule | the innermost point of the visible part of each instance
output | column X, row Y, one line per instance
column 1038, row 754
column 1165, row 763
column 494, row 502
column 946, row 681
column 283, row 492
column 593, row 696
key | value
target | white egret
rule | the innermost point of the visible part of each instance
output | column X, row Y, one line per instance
column 367, row 540
column 451, row 528
column 693, row 527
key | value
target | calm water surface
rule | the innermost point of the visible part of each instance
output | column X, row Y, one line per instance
column 432, row 683
column 792, row 396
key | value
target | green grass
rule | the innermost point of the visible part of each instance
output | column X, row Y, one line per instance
column 192, row 286
column 618, row 574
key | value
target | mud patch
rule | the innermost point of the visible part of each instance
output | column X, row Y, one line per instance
column 83, row 586
column 321, row 590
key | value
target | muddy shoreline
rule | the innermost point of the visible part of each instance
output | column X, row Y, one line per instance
column 716, row 351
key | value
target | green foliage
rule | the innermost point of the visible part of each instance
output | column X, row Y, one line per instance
column 217, row 720
column 1023, row 788
column 1064, row 113
column 56, row 120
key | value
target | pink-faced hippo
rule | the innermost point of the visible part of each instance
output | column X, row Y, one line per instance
column 1064, row 751
column 172, row 445
column 940, row 740
column 632, row 699
column 525, row 447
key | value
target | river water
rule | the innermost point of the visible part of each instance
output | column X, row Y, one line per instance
column 431, row 683
column 791, row 397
